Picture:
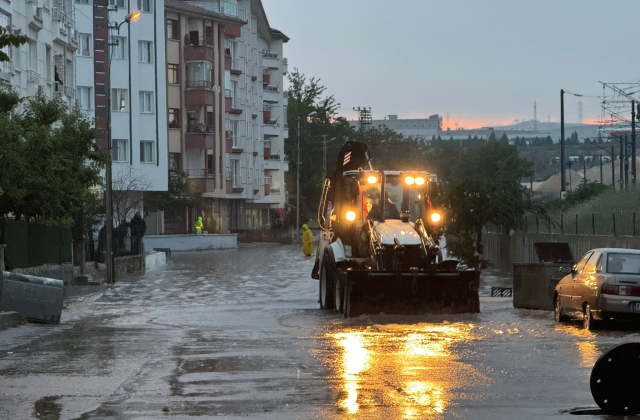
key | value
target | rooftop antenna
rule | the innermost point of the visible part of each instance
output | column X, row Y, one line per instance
column 535, row 115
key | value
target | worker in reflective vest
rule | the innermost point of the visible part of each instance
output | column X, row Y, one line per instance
column 199, row 226
column 307, row 241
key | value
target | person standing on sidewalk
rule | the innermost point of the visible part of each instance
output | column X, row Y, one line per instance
column 138, row 229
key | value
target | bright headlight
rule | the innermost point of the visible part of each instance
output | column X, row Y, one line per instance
column 435, row 217
column 409, row 180
column 351, row 215
column 419, row 180
column 372, row 179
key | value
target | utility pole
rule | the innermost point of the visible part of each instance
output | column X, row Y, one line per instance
column 626, row 164
column 563, row 176
column 621, row 182
column 633, row 145
column 324, row 154
column 298, row 186
column 613, row 166
column 584, row 169
column 601, row 169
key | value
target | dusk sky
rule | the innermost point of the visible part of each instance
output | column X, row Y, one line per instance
column 482, row 61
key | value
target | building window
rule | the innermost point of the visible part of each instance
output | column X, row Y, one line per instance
column 174, row 118
column 146, row 151
column 144, row 6
column 174, row 161
column 235, row 133
column 119, row 100
column 145, row 51
column 118, row 47
column 172, row 74
column 211, row 165
column 119, row 150
column 146, row 102
column 173, row 30
column 199, row 75
column 85, row 97
column 84, row 45
column 119, row 3
column 234, row 90
column 235, row 173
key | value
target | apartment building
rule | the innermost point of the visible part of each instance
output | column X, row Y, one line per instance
column 47, row 62
column 226, row 112
column 135, row 80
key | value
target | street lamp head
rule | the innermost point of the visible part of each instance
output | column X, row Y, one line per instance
column 132, row 17
column 312, row 113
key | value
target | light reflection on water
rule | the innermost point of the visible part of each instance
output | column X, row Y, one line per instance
column 587, row 348
column 406, row 370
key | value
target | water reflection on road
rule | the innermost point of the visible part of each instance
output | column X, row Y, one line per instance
column 401, row 371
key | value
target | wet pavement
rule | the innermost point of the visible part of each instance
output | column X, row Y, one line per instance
column 237, row 334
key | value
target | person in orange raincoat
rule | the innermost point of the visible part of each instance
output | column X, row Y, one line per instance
column 307, row 241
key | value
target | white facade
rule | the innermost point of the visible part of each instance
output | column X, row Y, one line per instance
column 47, row 62
column 138, row 89
column 255, row 85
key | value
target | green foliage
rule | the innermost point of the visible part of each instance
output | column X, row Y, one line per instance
column 176, row 198
column 48, row 160
column 8, row 39
column 583, row 193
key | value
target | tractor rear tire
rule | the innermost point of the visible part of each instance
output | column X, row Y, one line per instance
column 338, row 293
column 326, row 281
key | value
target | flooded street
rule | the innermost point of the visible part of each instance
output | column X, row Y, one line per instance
column 238, row 333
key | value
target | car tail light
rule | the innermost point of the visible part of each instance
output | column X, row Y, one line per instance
column 630, row 291
column 609, row 289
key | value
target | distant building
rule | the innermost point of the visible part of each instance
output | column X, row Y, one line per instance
column 419, row 128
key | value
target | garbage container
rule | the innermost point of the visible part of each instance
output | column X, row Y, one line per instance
column 36, row 298
column 535, row 283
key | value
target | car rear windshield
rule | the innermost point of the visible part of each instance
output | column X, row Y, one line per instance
column 623, row 263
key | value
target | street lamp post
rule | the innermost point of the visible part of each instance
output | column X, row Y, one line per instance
column 131, row 17
column 298, row 179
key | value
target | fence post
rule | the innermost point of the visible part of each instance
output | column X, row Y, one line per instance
column 576, row 223
column 593, row 222
column 613, row 216
column 561, row 224
column 634, row 223
column 2, row 246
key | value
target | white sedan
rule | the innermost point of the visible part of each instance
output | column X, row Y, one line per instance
column 603, row 285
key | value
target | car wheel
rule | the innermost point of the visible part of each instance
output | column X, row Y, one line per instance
column 587, row 319
column 559, row 316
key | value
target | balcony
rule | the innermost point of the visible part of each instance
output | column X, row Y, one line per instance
column 34, row 77
column 199, row 93
column 231, row 103
column 199, row 136
column 266, row 113
column 271, row 94
column 273, row 163
column 223, row 7
column 200, row 49
column 272, row 128
column 267, row 149
column 196, row 173
column 285, row 66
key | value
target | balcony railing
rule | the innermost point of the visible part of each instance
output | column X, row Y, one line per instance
column 267, row 144
column 33, row 76
column 266, row 107
column 269, row 54
column 196, row 173
column 271, row 88
column 286, row 126
column 193, row 40
column 223, row 7
column 200, row 84
column 285, row 94
column 199, row 128
column 267, row 180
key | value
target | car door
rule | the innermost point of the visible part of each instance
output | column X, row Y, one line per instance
column 585, row 281
column 570, row 301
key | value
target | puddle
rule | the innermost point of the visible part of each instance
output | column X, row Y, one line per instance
column 47, row 408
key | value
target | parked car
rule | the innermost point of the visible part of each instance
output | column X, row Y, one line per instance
column 603, row 285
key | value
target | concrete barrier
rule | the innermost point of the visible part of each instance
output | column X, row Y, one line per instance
column 191, row 242
column 10, row 320
column 280, row 236
column 155, row 259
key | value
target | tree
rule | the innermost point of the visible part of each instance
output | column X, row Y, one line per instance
column 178, row 196
column 504, row 139
column 7, row 39
column 48, row 159
column 127, row 197
column 492, row 136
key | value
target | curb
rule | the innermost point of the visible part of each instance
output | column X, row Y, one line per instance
column 10, row 319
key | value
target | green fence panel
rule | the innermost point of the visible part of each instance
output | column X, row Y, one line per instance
column 31, row 245
column 16, row 237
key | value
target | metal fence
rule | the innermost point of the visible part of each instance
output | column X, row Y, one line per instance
column 604, row 224
column 31, row 245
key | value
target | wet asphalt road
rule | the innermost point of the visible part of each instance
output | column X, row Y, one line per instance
column 237, row 334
